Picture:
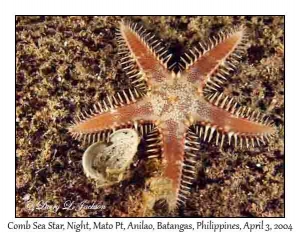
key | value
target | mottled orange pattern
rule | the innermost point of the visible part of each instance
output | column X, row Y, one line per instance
column 179, row 102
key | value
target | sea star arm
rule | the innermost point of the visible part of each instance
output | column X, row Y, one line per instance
column 143, row 57
column 245, row 126
column 209, row 66
column 173, row 149
column 112, row 113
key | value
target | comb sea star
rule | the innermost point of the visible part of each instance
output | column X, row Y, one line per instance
column 182, row 105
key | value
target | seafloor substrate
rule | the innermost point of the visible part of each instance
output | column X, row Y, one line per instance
column 66, row 64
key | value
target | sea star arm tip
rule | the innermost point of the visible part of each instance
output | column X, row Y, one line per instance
column 113, row 112
column 241, row 123
column 143, row 56
column 212, row 62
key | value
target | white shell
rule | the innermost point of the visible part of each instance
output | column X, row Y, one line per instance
column 107, row 162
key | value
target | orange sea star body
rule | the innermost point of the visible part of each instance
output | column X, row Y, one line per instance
column 177, row 102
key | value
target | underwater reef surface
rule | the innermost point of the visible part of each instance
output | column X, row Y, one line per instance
column 66, row 64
